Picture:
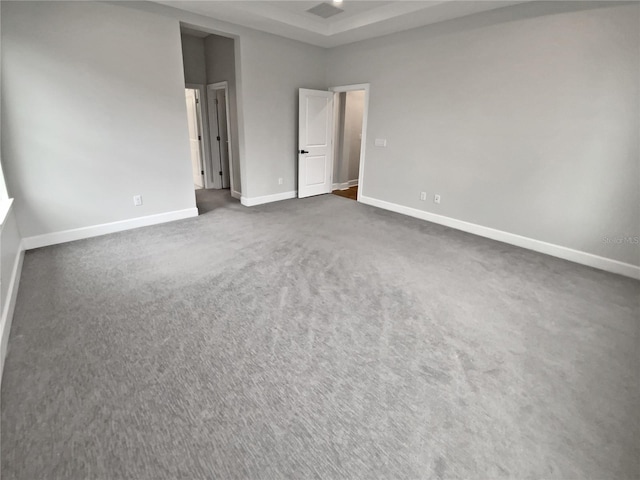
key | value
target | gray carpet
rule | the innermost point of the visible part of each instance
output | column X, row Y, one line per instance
column 317, row 338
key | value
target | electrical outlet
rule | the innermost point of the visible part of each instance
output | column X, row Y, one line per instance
column 436, row 198
column 137, row 200
column 423, row 196
column 280, row 181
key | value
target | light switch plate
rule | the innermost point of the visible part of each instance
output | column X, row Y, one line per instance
column 381, row 142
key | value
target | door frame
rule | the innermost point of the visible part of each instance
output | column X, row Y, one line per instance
column 365, row 114
column 212, row 88
column 203, row 125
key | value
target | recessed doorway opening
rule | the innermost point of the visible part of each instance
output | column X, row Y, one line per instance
column 349, row 117
column 209, row 67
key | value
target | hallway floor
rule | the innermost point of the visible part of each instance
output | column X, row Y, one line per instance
column 351, row 193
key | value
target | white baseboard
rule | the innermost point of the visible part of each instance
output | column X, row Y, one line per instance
column 276, row 197
column 54, row 238
column 9, row 307
column 577, row 256
column 236, row 194
column 344, row 185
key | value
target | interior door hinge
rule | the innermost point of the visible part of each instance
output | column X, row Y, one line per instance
column 201, row 172
column 197, row 101
column 216, row 101
column 199, row 137
column 218, row 138
column 220, row 173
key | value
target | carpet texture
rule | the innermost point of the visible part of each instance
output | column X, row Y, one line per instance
column 317, row 338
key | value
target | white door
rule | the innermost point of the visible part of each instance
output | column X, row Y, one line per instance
column 220, row 129
column 195, row 138
column 315, row 138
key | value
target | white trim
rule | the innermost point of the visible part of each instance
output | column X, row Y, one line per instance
column 345, row 185
column 365, row 115
column 54, row 238
column 276, row 197
column 236, row 194
column 203, row 118
column 577, row 256
column 10, row 306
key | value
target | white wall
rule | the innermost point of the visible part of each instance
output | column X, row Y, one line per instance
column 523, row 119
column 193, row 59
column 93, row 112
column 221, row 67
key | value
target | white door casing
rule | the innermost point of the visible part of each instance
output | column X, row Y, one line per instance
column 315, row 142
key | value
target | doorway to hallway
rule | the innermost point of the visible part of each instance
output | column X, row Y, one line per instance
column 349, row 119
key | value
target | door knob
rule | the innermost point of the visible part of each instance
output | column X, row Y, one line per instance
column 304, row 151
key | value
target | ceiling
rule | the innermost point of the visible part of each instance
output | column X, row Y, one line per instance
column 359, row 20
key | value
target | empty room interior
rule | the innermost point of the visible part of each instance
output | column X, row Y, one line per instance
column 304, row 239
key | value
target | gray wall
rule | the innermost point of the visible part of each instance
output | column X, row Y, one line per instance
column 193, row 59
column 10, row 253
column 221, row 67
column 339, row 166
column 9, row 250
column 4, row 195
column 269, row 72
column 353, row 129
column 524, row 119
column 93, row 112
column 350, row 106
column 273, row 69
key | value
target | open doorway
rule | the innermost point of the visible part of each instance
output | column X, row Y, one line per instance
column 331, row 147
column 196, row 143
column 349, row 119
column 209, row 64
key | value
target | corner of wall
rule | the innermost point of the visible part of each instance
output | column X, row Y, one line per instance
column 12, row 256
